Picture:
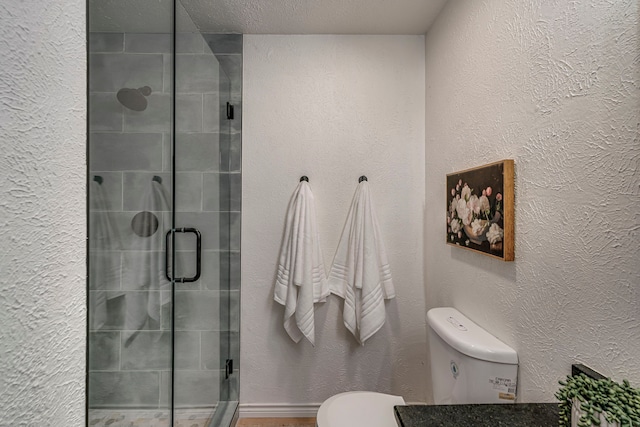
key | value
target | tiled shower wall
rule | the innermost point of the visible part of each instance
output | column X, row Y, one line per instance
column 127, row 149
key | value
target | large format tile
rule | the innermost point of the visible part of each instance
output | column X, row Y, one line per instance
column 147, row 43
column 197, row 152
column 123, row 236
column 106, row 42
column 217, row 347
column 122, row 304
column 234, row 231
column 189, row 43
column 142, row 270
column 230, row 347
column 128, row 389
column 122, row 151
column 110, row 72
column 104, row 351
column 230, row 311
column 232, row 66
column 214, row 228
column 138, row 185
column 189, row 112
column 197, row 310
column 196, row 388
column 216, row 192
column 230, row 152
column 234, row 271
column 105, row 112
column 212, row 110
column 110, row 197
column 210, row 357
column 155, row 118
column 186, row 268
column 151, row 350
column 197, row 73
column 235, row 198
column 104, row 270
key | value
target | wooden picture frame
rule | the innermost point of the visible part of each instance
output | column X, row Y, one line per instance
column 480, row 209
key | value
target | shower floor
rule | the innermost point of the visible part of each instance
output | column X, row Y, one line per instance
column 149, row 417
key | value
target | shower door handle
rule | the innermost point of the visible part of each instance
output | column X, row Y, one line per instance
column 198, row 254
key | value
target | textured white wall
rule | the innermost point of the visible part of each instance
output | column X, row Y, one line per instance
column 555, row 86
column 42, row 213
column 332, row 108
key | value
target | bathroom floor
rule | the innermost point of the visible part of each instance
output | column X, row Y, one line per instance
column 148, row 418
column 276, row 422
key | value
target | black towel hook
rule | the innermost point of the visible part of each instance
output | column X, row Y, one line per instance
column 98, row 179
column 157, row 179
column 304, row 178
column 362, row 178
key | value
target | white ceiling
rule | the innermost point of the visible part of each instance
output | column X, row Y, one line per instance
column 267, row 16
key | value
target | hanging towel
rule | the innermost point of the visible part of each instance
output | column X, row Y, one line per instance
column 146, row 302
column 301, row 280
column 104, row 277
column 360, row 272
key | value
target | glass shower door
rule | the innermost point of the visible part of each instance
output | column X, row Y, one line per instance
column 203, row 230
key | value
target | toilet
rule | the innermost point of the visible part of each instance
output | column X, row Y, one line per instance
column 468, row 365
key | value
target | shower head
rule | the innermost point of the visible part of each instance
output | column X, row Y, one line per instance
column 134, row 99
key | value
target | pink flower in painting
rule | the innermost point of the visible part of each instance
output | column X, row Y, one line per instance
column 453, row 192
column 499, row 197
column 460, row 182
column 459, row 234
column 485, row 206
column 488, row 190
column 484, row 193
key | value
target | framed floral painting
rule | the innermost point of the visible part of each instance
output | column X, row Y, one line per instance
column 480, row 209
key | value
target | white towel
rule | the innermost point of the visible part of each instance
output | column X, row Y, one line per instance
column 105, row 246
column 301, row 280
column 360, row 272
column 149, row 276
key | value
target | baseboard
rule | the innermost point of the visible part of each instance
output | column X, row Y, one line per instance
column 278, row 410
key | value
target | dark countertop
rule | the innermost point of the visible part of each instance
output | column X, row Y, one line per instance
column 511, row 415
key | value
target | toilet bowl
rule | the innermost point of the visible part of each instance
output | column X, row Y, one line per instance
column 468, row 365
column 358, row 409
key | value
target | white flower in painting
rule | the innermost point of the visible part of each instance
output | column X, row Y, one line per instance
column 474, row 204
column 466, row 192
column 478, row 226
column 456, row 226
column 483, row 201
column 452, row 207
column 495, row 234
column 464, row 213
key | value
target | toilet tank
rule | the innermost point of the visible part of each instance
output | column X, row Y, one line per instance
column 468, row 364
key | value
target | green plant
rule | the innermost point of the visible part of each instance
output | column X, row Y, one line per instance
column 617, row 402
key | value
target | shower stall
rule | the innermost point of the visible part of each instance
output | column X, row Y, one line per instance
column 164, row 203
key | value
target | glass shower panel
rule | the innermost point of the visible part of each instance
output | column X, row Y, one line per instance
column 202, row 195
column 130, row 105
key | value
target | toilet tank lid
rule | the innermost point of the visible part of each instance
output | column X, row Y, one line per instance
column 469, row 338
